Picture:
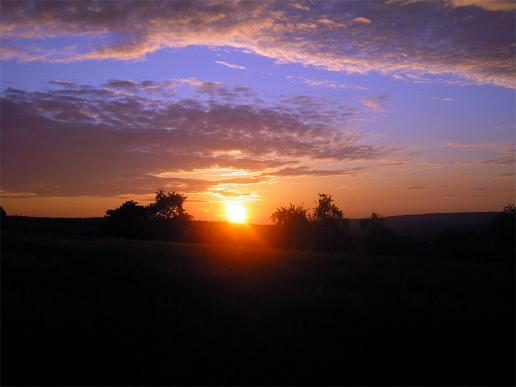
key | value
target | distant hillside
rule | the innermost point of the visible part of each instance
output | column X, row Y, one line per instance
column 418, row 226
column 430, row 225
column 56, row 226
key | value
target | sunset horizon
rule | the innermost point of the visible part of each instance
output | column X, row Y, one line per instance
column 399, row 107
column 257, row 192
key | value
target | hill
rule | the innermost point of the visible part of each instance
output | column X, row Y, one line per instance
column 423, row 226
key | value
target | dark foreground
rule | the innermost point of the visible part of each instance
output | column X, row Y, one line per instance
column 104, row 311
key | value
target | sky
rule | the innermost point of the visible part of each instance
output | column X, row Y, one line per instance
column 397, row 107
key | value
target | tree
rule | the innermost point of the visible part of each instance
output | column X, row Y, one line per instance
column 286, row 216
column 129, row 210
column 326, row 211
column 375, row 222
column 168, row 205
column 293, row 224
column 380, row 239
column 165, row 218
column 330, row 226
column 503, row 230
column 3, row 215
column 127, row 221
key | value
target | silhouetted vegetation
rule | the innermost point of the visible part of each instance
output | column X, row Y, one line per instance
column 329, row 225
column 495, row 241
column 380, row 239
column 164, row 219
column 326, row 229
column 503, row 232
column 3, row 215
column 293, row 226
column 322, row 228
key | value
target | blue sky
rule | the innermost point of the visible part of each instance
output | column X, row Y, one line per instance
column 396, row 107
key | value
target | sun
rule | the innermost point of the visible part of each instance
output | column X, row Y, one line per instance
column 236, row 212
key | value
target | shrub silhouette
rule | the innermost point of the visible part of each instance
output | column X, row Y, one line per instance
column 165, row 218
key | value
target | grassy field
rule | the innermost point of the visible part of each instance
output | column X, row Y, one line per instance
column 105, row 311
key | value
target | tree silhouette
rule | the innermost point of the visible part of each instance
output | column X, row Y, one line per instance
column 330, row 226
column 287, row 216
column 380, row 239
column 3, row 215
column 503, row 232
column 127, row 221
column 326, row 211
column 165, row 218
column 168, row 205
column 294, row 225
column 324, row 228
column 375, row 222
column 129, row 210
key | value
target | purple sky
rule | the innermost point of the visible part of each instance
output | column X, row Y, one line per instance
column 396, row 107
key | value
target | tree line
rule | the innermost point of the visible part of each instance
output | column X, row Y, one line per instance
column 321, row 228
column 163, row 219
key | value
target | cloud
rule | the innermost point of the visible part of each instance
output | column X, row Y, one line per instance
column 324, row 83
column 464, row 145
column 490, row 5
column 445, row 99
column 417, row 187
column 362, row 20
column 407, row 38
column 305, row 171
column 63, row 83
column 508, row 160
column 375, row 103
column 502, row 148
column 230, row 65
column 98, row 141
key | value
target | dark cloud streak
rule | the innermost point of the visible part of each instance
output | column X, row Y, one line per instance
column 395, row 37
column 94, row 141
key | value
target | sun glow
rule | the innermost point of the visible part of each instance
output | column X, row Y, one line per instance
column 236, row 212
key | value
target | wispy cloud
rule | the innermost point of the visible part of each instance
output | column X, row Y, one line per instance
column 375, row 103
column 445, row 99
column 462, row 38
column 323, row 83
column 305, row 171
column 230, row 65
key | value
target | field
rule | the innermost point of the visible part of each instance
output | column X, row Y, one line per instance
column 86, row 310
